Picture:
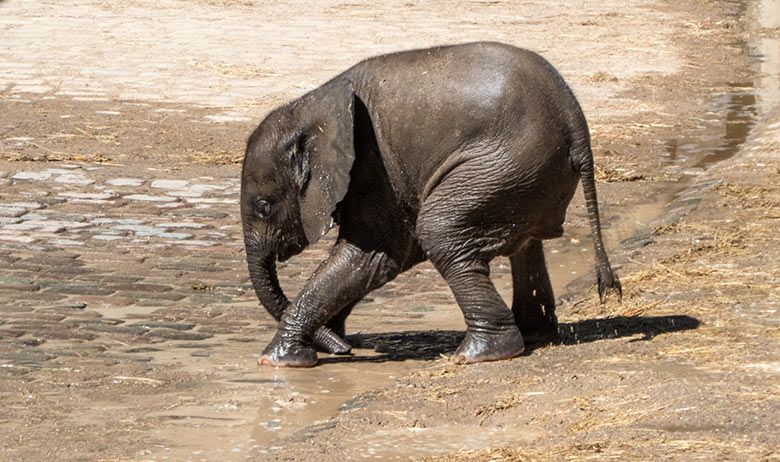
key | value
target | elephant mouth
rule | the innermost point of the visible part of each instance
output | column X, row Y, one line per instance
column 289, row 250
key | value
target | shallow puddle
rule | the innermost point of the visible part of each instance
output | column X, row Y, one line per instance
column 254, row 406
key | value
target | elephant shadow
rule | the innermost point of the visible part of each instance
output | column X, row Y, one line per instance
column 436, row 344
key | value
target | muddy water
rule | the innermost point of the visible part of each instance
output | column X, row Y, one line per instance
column 252, row 406
column 267, row 404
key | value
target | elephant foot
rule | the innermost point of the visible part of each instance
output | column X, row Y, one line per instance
column 279, row 355
column 483, row 346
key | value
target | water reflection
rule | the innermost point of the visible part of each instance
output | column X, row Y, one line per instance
column 741, row 114
column 735, row 112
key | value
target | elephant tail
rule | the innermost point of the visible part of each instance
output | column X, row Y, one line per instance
column 582, row 160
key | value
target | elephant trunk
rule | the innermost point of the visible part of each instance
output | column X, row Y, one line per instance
column 262, row 272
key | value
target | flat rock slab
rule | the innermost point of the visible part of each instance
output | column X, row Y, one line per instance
column 174, row 334
column 34, row 176
column 169, row 184
column 148, row 198
column 125, row 182
column 12, row 212
column 77, row 179
column 164, row 325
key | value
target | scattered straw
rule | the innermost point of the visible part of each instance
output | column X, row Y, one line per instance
column 221, row 157
column 609, row 174
column 52, row 155
column 502, row 405
column 230, row 70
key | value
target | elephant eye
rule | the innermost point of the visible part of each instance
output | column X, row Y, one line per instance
column 262, row 209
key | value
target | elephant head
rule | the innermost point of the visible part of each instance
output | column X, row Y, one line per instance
column 296, row 170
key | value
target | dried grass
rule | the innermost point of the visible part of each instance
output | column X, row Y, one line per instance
column 625, row 132
column 100, row 134
column 602, row 76
column 230, row 70
column 221, row 157
column 609, row 174
column 502, row 405
column 751, row 196
column 650, row 448
column 448, row 369
column 54, row 156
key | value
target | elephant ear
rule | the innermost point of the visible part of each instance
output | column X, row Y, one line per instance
column 328, row 154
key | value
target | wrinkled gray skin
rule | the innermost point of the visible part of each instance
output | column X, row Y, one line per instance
column 454, row 154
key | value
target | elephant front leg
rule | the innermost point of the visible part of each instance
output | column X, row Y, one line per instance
column 347, row 275
column 533, row 303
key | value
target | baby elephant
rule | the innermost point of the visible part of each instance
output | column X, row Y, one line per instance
column 456, row 154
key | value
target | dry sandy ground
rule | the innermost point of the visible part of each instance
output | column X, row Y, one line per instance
column 685, row 368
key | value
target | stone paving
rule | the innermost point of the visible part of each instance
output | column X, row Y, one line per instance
column 89, row 251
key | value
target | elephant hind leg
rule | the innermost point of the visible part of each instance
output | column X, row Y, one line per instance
column 533, row 303
column 491, row 332
column 463, row 261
